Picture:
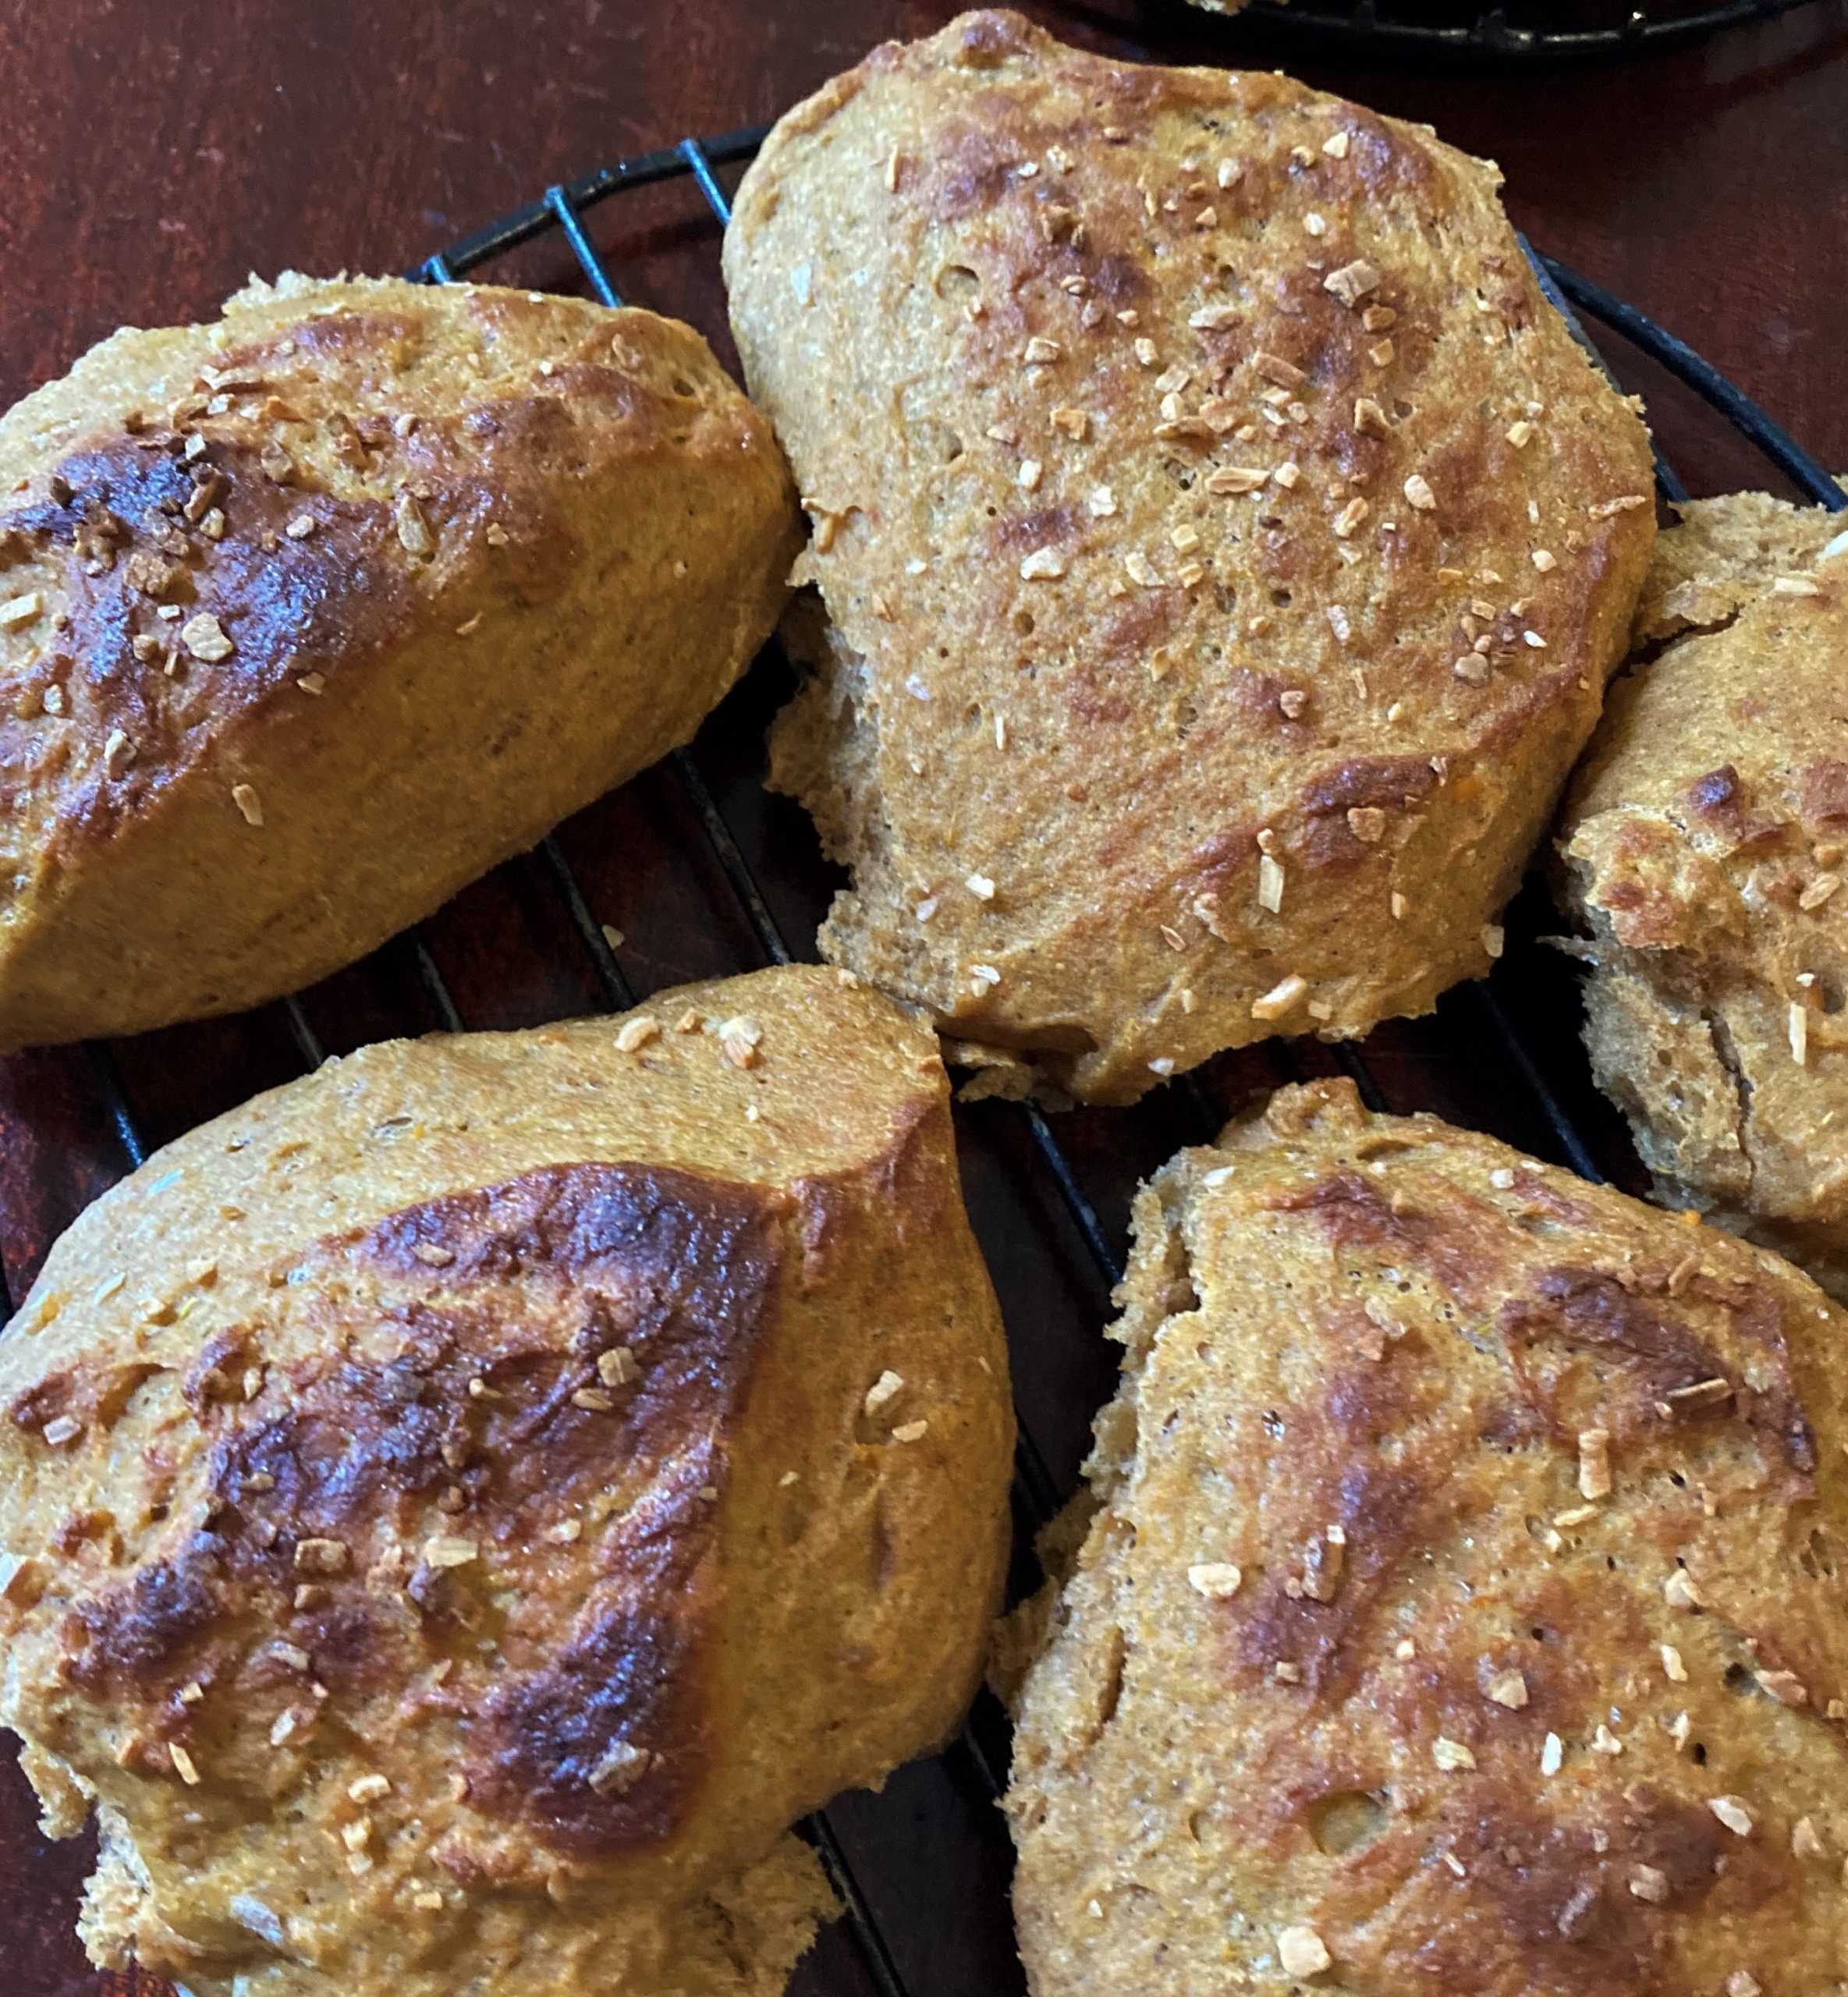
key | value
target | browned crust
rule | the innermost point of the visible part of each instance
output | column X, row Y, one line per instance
column 1286, row 672
column 470, row 1389
column 487, row 1426
column 468, row 556
column 1378, row 1364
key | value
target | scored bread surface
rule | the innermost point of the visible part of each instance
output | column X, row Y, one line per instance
column 310, row 616
column 1464, row 1605
column 1704, row 845
column 1223, row 544
column 459, row 1509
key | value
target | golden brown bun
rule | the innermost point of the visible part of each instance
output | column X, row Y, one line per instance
column 1352, row 1662
column 538, row 1399
column 1069, row 694
column 1703, row 842
column 478, row 555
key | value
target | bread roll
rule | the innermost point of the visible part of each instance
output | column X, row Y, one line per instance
column 310, row 617
column 1466, row 1605
column 1703, row 844
column 459, row 1509
column 1224, row 545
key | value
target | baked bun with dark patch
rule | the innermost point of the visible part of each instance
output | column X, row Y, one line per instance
column 460, row 1508
column 1223, row 544
column 1466, row 1607
column 312, row 616
column 1704, row 845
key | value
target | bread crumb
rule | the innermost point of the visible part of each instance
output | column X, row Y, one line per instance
column 1648, row 1883
column 1302, row 1952
column 1509, row 1689
column 621, row 1766
column 887, row 1387
column 1217, row 1580
column 414, row 536
column 1270, row 884
column 1452, row 1756
column 1352, row 282
column 738, row 1040
column 1283, row 997
column 616, row 1367
column 1731, row 1811
column 1594, row 1462
column 205, row 638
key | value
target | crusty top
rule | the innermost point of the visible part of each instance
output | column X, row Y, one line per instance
column 414, row 1463
column 1705, row 841
column 202, row 524
column 1225, row 541
column 1468, row 1609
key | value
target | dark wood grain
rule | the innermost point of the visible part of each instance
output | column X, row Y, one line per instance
column 156, row 153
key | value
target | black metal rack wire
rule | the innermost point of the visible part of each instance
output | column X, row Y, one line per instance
column 561, row 210
column 1498, row 34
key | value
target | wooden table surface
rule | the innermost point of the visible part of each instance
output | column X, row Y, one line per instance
column 158, row 152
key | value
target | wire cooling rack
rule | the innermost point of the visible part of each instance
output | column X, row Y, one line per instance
column 922, row 1869
column 1542, row 30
